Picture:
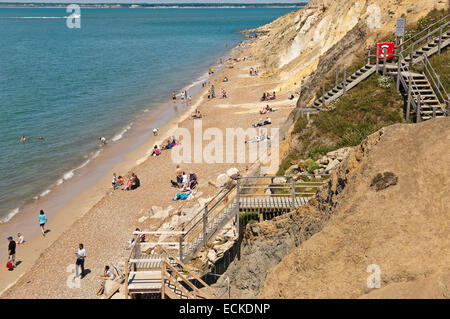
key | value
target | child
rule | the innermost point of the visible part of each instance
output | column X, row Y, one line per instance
column 119, row 181
column 114, row 181
column 20, row 239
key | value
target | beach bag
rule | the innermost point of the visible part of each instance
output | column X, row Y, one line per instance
column 9, row 265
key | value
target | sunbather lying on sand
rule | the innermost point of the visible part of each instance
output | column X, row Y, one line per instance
column 262, row 122
column 267, row 109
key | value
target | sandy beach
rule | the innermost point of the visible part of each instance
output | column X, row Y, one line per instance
column 103, row 219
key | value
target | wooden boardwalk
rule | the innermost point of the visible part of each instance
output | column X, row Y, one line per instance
column 269, row 203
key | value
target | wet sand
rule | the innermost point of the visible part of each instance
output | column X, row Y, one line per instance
column 104, row 219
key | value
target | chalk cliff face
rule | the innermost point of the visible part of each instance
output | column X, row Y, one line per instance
column 291, row 46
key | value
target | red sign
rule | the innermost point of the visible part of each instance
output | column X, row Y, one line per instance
column 385, row 46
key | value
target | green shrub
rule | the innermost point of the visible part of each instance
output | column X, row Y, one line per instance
column 245, row 217
column 310, row 165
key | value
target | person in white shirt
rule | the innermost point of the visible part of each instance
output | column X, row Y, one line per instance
column 81, row 256
column 185, row 182
column 20, row 239
column 108, row 274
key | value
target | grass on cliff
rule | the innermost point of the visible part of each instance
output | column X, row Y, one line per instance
column 357, row 114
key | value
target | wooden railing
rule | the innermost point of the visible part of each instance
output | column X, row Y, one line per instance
column 180, row 279
column 414, row 97
column 408, row 46
column 435, row 82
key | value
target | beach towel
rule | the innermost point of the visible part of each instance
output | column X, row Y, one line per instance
column 182, row 196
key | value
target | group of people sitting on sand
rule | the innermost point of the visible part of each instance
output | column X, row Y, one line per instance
column 263, row 122
column 266, row 109
column 254, row 72
column 171, row 142
column 184, row 183
column 268, row 96
column 197, row 114
column 132, row 183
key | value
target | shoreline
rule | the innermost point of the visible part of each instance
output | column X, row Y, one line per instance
column 68, row 212
column 146, row 117
column 103, row 220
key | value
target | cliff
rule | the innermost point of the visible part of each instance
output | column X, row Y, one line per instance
column 403, row 228
column 300, row 48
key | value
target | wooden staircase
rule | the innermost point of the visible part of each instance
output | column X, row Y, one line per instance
column 428, row 100
column 209, row 221
column 424, row 96
column 341, row 88
column 177, row 280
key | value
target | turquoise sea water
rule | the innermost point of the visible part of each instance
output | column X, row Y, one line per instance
column 72, row 86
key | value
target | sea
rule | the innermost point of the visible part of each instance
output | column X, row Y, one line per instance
column 71, row 86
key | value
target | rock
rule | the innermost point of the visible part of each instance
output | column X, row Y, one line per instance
column 222, row 180
column 220, row 250
column 291, row 170
column 212, row 256
column 255, row 229
column 332, row 155
column 142, row 219
column 233, row 173
column 109, row 284
column 324, row 160
column 230, row 235
column 382, row 181
column 156, row 211
column 332, row 165
column 279, row 180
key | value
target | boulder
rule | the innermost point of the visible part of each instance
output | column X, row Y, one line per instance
column 291, row 170
column 279, row 180
column 220, row 250
column 142, row 219
column 212, row 256
column 324, row 160
column 222, row 180
column 230, row 235
column 233, row 173
column 331, row 166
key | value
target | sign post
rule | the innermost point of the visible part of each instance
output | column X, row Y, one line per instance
column 400, row 32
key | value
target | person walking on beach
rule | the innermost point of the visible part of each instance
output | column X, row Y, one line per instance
column 174, row 96
column 42, row 221
column 81, row 256
column 11, row 252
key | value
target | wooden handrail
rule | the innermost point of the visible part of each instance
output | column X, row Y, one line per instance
column 176, row 284
column 188, row 269
column 427, row 29
column 175, row 273
column 429, row 67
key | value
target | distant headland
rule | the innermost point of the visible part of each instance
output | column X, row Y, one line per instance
column 155, row 5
